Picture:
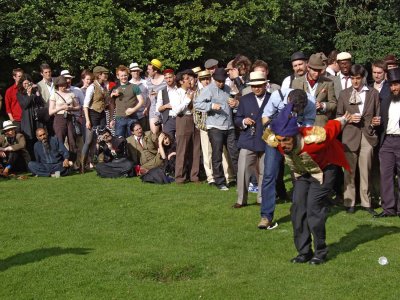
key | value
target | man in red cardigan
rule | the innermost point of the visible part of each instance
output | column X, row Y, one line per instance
column 314, row 155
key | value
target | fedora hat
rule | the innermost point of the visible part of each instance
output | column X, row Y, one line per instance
column 204, row 74
column 257, row 78
column 66, row 74
column 316, row 62
column 220, row 74
column 393, row 75
column 156, row 63
column 8, row 125
column 343, row 56
column 135, row 67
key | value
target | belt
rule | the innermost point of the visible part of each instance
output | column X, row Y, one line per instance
column 393, row 135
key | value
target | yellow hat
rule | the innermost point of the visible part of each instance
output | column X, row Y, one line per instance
column 156, row 63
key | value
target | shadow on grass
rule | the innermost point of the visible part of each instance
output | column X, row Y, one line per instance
column 360, row 235
column 38, row 255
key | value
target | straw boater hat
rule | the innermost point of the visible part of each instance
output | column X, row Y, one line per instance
column 66, row 74
column 135, row 67
column 204, row 74
column 257, row 78
column 196, row 70
column 156, row 63
column 8, row 125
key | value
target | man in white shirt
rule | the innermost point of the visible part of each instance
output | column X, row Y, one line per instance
column 187, row 135
column 344, row 61
column 299, row 65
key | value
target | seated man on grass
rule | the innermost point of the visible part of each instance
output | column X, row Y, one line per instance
column 13, row 154
column 314, row 155
column 51, row 156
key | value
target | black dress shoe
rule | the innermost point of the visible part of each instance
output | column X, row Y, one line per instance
column 316, row 261
column 301, row 258
column 350, row 210
column 383, row 215
column 370, row 210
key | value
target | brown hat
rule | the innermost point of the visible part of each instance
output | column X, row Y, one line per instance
column 99, row 69
column 316, row 62
column 60, row 80
column 391, row 59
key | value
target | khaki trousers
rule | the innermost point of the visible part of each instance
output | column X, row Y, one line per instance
column 363, row 160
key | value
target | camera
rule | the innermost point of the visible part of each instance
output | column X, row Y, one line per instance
column 158, row 123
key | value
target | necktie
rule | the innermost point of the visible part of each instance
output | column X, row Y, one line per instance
column 140, row 143
column 347, row 79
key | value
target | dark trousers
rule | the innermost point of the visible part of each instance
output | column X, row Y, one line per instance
column 97, row 120
column 219, row 139
column 187, row 149
column 64, row 127
column 169, row 127
column 389, row 157
column 309, row 211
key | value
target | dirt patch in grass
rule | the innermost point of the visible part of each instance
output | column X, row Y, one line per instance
column 169, row 273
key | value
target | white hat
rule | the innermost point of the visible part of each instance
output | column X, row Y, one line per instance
column 66, row 74
column 8, row 125
column 343, row 56
column 196, row 70
column 134, row 67
column 257, row 78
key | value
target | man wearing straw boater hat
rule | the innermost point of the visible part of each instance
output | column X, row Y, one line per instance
column 13, row 153
column 248, row 119
column 320, row 87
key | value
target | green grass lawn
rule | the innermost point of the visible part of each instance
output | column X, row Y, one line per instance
column 83, row 237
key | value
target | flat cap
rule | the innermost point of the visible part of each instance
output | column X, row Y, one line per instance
column 210, row 63
column 100, row 69
column 343, row 56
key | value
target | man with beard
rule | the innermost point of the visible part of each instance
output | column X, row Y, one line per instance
column 389, row 153
column 314, row 154
column 51, row 156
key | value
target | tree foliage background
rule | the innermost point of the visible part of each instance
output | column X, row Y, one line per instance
column 81, row 34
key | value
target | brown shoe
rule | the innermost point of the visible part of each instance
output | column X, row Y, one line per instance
column 237, row 205
column 264, row 223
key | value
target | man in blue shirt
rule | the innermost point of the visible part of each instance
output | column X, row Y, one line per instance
column 51, row 156
column 304, row 106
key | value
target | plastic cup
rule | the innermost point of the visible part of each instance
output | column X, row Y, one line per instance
column 359, row 117
column 383, row 261
column 57, row 174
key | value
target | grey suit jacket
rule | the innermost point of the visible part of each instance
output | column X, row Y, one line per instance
column 324, row 93
column 351, row 135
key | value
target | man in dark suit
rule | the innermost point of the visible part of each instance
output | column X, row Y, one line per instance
column 389, row 153
column 359, row 137
column 379, row 69
column 320, row 87
column 248, row 119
